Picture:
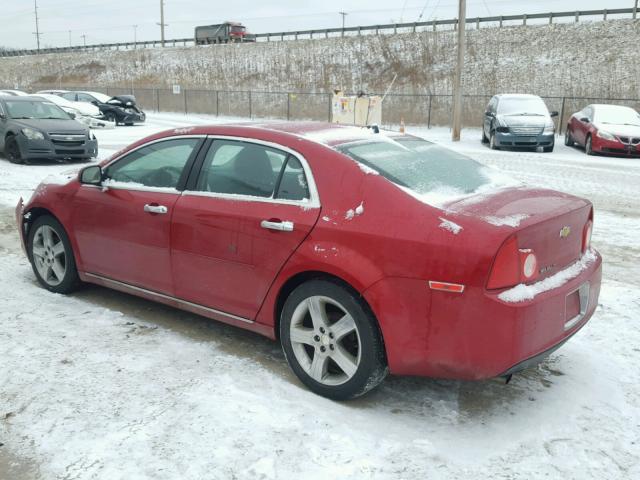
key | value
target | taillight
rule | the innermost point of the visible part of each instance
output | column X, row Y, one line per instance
column 586, row 236
column 512, row 265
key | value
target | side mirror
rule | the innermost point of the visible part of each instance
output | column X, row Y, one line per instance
column 2, row 116
column 95, row 103
column 554, row 113
column 72, row 115
column 91, row 175
column 585, row 119
column 489, row 114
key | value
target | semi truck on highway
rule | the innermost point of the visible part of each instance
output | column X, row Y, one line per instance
column 227, row 32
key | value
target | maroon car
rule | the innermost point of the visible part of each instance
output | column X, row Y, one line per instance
column 606, row 129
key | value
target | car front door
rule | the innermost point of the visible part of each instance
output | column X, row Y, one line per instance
column 122, row 229
column 3, row 125
column 246, row 209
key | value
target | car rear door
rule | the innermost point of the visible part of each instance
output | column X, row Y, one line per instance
column 123, row 229
column 246, row 209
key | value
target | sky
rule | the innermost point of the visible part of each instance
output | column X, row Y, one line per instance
column 62, row 22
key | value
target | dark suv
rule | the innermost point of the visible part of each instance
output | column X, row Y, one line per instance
column 518, row 121
column 33, row 128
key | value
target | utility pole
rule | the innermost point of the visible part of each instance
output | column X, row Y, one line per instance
column 344, row 14
column 457, row 82
column 37, row 32
column 70, row 39
column 84, row 39
column 635, row 10
column 162, row 24
column 135, row 36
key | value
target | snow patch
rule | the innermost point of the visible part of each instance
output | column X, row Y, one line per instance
column 326, row 219
column 449, row 225
column 352, row 212
column 509, row 221
column 183, row 130
column 522, row 292
column 366, row 169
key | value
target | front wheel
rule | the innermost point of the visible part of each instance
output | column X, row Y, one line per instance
column 331, row 340
column 492, row 142
column 568, row 139
column 588, row 146
column 12, row 150
column 484, row 140
column 111, row 117
column 51, row 255
column 548, row 149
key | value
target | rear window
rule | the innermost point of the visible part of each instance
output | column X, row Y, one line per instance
column 435, row 174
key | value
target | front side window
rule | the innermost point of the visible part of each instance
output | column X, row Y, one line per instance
column 241, row 168
column 160, row 164
column 69, row 96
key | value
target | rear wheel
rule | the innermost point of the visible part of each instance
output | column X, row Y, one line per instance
column 588, row 146
column 51, row 255
column 111, row 117
column 12, row 150
column 331, row 340
column 484, row 137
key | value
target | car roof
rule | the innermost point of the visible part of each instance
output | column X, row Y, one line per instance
column 516, row 95
column 608, row 105
column 25, row 98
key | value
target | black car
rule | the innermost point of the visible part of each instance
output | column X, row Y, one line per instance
column 121, row 109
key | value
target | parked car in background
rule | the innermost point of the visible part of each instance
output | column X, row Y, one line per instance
column 83, row 112
column 52, row 92
column 399, row 272
column 121, row 109
column 33, row 128
column 607, row 129
column 13, row 93
column 518, row 121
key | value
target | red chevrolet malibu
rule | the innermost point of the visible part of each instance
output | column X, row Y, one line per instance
column 363, row 253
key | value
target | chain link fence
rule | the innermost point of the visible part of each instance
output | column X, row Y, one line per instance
column 413, row 109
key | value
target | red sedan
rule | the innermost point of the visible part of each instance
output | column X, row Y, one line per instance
column 361, row 252
column 605, row 129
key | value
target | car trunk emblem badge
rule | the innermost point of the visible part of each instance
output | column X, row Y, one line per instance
column 565, row 231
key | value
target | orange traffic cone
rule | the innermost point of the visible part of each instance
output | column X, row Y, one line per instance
column 402, row 125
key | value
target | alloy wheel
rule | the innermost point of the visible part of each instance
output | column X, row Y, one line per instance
column 49, row 255
column 325, row 340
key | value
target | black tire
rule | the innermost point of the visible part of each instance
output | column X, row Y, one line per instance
column 492, row 142
column 130, row 124
column 588, row 147
column 371, row 362
column 484, row 140
column 12, row 150
column 70, row 280
column 111, row 117
column 568, row 141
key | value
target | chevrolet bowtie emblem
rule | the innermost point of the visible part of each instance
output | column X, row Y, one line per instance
column 565, row 231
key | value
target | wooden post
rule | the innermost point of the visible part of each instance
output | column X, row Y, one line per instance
column 457, row 84
column 288, row 106
column 561, row 118
column 217, row 103
column 186, row 110
column 429, row 113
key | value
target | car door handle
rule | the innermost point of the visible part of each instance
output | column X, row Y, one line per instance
column 155, row 209
column 285, row 226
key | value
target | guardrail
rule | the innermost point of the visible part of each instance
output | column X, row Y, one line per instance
column 416, row 109
column 500, row 21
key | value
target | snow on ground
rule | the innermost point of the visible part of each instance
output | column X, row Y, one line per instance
column 104, row 385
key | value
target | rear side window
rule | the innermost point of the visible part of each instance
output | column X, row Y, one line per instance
column 243, row 168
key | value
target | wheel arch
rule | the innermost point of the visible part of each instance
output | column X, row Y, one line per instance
column 31, row 215
column 300, row 278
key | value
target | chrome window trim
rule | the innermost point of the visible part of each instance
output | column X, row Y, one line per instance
column 311, row 203
column 157, row 140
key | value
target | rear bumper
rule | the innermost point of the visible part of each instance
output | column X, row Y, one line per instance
column 46, row 149
column 476, row 335
column 522, row 141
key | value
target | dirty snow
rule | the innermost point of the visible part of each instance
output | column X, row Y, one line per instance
column 450, row 226
column 102, row 385
column 522, row 292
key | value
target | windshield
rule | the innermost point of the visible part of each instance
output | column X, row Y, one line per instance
column 237, row 29
column 522, row 106
column 35, row 109
column 431, row 172
column 616, row 115
column 101, row 97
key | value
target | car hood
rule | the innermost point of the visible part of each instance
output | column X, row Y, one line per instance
column 620, row 130
column 50, row 126
column 86, row 108
column 524, row 120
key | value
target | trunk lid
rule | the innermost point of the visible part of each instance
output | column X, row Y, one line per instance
column 548, row 222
